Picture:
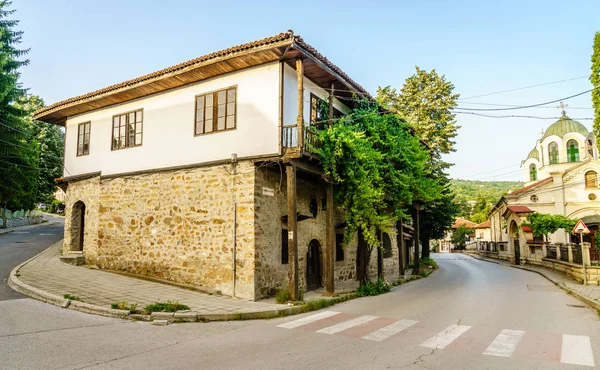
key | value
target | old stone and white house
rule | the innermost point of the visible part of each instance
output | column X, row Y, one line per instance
column 202, row 173
column 561, row 175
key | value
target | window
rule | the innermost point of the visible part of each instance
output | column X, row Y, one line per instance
column 216, row 111
column 284, row 247
column 553, row 151
column 591, row 179
column 387, row 246
column 319, row 111
column 573, row 151
column 127, row 130
column 83, row 139
column 532, row 172
column 589, row 147
column 339, row 247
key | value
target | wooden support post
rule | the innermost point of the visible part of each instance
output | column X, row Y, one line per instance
column 416, row 260
column 331, row 106
column 300, row 117
column 330, row 245
column 292, row 233
column 401, row 248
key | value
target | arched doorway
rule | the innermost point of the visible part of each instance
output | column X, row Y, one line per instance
column 77, row 226
column 514, row 237
column 313, row 265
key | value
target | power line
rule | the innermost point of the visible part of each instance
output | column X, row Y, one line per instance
column 14, row 129
column 532, row 105
column 523, row 88
column 519, row 116
column 20, row 165
column 509, row 105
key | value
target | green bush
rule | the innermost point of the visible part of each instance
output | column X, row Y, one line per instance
column 72, row 297
column 283, row 296
column 170, row 306
column 370, row 289
column 428, row 262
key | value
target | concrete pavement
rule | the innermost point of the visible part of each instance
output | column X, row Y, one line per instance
column 470, row 314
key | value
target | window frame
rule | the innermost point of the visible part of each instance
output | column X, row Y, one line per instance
column 577, row 154
column 585, row 176
column 112, row 129
column 215, row 109
column 89, row 135
column 532, row 172
column 553, row 145
column 314, row 109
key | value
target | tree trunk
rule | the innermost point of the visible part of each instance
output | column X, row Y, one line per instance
column 366, row 262
column 425, row 240
column 400, row 243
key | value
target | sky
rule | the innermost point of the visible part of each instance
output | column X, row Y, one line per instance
column 482, row 47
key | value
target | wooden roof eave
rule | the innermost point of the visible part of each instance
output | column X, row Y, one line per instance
column 227, row 63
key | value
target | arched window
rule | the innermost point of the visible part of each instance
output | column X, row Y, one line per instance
column 591, row 179
column 573, row 151
column 532, row 172
column 589, row 147
column 387, row 246
column 553, row 152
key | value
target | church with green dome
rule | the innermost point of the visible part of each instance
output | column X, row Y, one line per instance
column 561, row 178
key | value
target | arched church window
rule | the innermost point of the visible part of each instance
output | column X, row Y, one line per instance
column 589, row 147
column 573, row 151
column 553, row 152
column 591, row 179
column 532, row 172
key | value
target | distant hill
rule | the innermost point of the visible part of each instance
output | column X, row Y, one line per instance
column 469, row 190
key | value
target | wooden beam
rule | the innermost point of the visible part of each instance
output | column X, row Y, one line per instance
column 300, row 117
column 310, row 168
column 292, row 224
column 331, row 106
column 330, row 236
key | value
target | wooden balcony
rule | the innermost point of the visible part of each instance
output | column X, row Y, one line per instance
column 289, row 139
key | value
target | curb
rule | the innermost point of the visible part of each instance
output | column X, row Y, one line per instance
column 590, row 302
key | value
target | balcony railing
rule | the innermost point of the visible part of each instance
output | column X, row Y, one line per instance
column 289, row 138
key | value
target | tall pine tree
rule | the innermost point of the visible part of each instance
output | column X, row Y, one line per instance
column 19, row 150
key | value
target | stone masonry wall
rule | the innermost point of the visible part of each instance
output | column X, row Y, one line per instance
column 176, row 225
column 86, row 191
column 271, row 274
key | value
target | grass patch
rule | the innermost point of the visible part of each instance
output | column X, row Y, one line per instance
column 124, row 306
column 169, row 306
column 72, row 297
column 282, row 296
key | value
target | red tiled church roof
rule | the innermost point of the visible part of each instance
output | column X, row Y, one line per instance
column 520, row 209
column 530, row 186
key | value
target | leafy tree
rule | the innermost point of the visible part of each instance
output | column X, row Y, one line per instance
column 380, row 168
column 426, row 101
column 18, row 146
column 546, row 224
column 459, row 236
column 437, row 217
column 51, row 148
column 595, row 79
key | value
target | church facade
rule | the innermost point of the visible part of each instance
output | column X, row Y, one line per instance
column 561, row 178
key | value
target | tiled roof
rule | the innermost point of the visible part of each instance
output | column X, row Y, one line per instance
column 530, row 186
column 484, row 225
column 294, row 40
column 527, row 228
column 463, row 221
column 520, row 209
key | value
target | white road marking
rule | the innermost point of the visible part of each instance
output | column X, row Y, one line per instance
column 445, row 337
column 21, row 232
column 388, row 331
column 346, row 324
column 505, row 343
column 576, row 350
column 46, row 234
column 308, row 319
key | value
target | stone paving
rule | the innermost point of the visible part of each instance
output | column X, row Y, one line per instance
column 46, row 272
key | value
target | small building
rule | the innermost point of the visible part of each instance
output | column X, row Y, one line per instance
column 483, row 234
column 445, row 245
column 204, row 173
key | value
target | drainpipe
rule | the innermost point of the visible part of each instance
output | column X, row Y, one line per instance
column 234, row 236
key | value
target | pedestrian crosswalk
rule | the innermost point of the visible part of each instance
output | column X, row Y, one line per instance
column 569, row 349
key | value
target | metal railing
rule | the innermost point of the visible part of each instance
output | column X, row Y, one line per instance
column 577, row 258
column 564, row 253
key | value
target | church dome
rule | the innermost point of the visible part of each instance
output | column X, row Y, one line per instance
column 564, row 126
column 534, row 154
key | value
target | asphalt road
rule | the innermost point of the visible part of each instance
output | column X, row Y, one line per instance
column 18, row 246
column 469, row 314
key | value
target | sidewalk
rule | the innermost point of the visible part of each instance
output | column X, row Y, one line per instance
column 587, row 293
column 46, row 278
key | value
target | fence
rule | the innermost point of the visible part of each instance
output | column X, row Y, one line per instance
column 21, row 217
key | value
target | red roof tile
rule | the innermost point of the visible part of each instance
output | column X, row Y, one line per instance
column 463, row 221
column 484, row 225
column 530, row 186
column 527, row 229
column 520, row 209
